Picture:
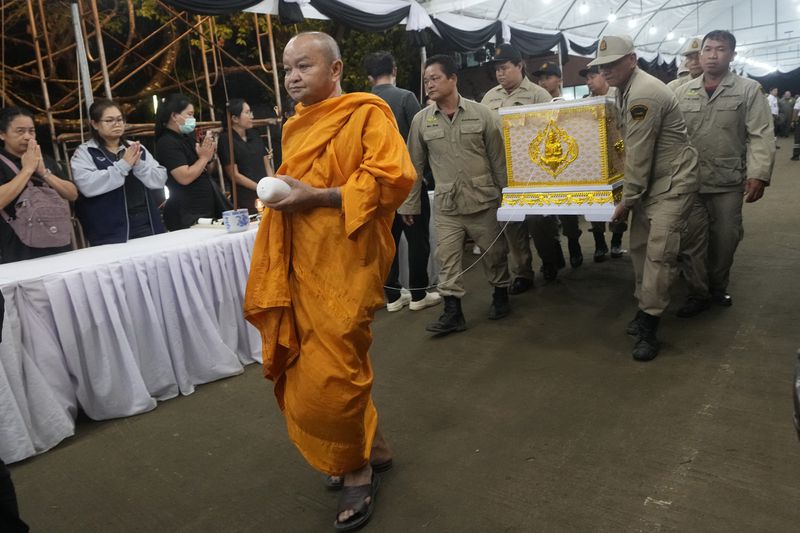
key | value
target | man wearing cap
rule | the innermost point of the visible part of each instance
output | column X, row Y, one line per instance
column 691, row 63
column 549, row 75
column 463, row 143
column 660, row 183
column 516, row 89
column 730, row 124
column 598, row 86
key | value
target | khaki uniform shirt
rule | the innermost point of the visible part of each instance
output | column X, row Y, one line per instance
column 732, row 130
column 527, row 93
column 466, row 155
column 677, row 82
column 658, row 156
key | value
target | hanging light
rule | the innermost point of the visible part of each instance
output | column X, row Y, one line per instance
column 682, row 40
column 653, row 30
column 584, row 8
column 612, row 17
column 670, row 36
column 632, row 23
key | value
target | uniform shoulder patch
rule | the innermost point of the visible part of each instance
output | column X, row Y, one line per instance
column 638, row 112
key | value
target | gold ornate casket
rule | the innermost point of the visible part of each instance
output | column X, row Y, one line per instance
column 563, row 158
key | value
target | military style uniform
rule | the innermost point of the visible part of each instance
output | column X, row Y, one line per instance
column 660, row 184
column 732, row 130
column 467, row 158
column 677, row 82
column 543, row 229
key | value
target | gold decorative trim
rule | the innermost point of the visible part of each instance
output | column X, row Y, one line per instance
column 542, row 199
column 553, row 149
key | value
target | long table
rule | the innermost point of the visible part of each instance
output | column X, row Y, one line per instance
column 113, row 329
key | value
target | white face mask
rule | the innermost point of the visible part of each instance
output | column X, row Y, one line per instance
column 188, row 125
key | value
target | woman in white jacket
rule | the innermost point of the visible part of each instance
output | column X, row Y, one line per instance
column 114, row 178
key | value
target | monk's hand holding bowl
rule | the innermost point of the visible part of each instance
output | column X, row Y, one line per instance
column 303, row 197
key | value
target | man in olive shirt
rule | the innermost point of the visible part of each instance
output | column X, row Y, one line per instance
column 462, row 141
column 598, row 86
column 516, row 89
column 691, row 63
column 730, row 124
column 660, row 182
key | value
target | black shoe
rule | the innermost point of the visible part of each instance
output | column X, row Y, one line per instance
column 549, row 272
column 499, row 308
column 795, row 158
column 560, row 262
column 722, row 298
column 647, row 345
column 634, row 326
column 575, row 253
column 693, row 307
column 600, row 247
column 452, row 320
column 520, row 285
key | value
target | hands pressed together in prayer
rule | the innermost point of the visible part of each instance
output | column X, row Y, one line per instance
column 32, row 158
column 304, row 197
column 207, row 148
column 133, row 153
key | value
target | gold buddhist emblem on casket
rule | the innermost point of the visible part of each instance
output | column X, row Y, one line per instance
column 553, row 149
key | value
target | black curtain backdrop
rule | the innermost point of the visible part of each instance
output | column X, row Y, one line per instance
column 466, row 41
column 537, row 44
column 290, row 13
column 784, row 81
column 584, row 50
column 212, row 7
column 359, row 20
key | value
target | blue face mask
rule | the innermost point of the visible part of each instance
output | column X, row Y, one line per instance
column 188, row 125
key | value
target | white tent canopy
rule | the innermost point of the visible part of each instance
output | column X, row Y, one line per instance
column 767, row 32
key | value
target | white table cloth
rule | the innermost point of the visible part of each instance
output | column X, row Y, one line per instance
column 115, row 328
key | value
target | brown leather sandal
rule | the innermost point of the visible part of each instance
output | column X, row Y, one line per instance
column 335, row 483
column 354, row 498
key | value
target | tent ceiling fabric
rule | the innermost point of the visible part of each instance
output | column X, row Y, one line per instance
column 767, row 33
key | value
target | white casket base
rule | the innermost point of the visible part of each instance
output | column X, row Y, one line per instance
column 596, row 202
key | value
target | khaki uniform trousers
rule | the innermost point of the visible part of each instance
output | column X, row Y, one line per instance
column 481, row 227
column 715, row 230
column 655, row 242
column 544, row 231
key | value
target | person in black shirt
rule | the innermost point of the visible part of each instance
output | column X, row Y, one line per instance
column 381, row 71
column 114, row 178
column 192, row 192
column 251, row 158
column 22, row 162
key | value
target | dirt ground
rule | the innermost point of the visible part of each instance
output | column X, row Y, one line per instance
column 539, row 422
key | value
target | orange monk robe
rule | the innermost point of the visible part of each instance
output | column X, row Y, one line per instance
column 316, row 277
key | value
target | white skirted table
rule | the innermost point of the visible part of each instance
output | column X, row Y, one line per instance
column 113, row 329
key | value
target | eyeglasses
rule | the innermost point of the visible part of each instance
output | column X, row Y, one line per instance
column 113, row 120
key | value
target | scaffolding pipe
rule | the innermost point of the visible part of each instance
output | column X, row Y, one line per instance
column 45, row 93
column 84, row 78
column 102, row 49
column 272, row 58
column 210, row 96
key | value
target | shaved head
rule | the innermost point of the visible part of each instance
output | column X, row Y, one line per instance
column 324, row 43
column 312, row 66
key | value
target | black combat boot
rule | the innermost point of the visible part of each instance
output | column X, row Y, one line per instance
column 600, row 247
column 646, row 348
column 635, row 325
column 499, row 307
column 694, row 306
column 452, row 319
column 575, row 253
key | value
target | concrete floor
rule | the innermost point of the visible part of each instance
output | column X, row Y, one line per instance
column 539, row 422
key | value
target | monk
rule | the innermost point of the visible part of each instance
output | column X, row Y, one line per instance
column 318, row 265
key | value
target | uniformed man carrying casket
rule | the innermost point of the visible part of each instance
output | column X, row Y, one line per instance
column 516, row 89
column 660, row 182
